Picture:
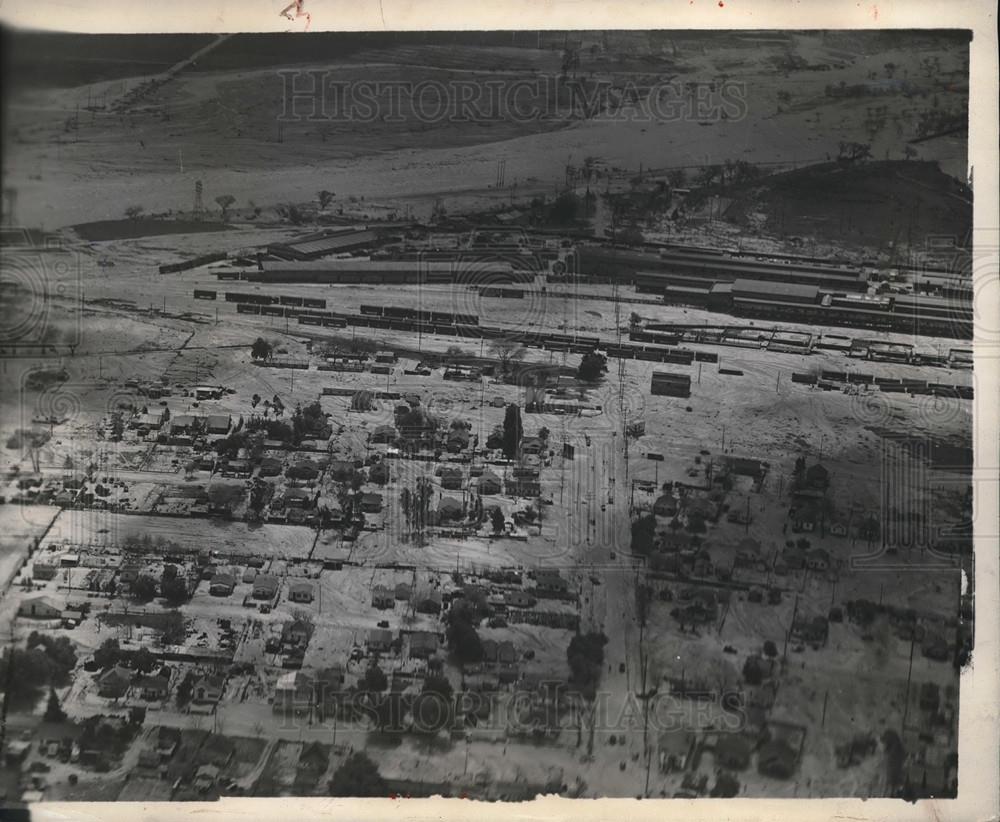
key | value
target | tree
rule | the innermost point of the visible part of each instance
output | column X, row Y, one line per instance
column 431, row 710
column 255, row 400
column 770, row 649
column 324, row 197
column 512, row 431
column 173, row 589
column 185, row 689
column 358, row 776
column 592, row 367
column 585, row 656
column 677, row 178
column 565, row 208
column 133, row 211
column 261, row 349
column 726, row 785
column 463, row 639
column 379, row 473
column 753, row 670
column 23, row 674
column 54, row 711
column 59, row 653
column 108, row 654
column 374, row 680
column 173, row 629
column 144, row 588
column 507, row 352
column 224, row 201
column 143, row 661
column 643, row 535
column 497, row 518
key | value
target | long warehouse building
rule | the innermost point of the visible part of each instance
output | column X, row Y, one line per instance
column 397, row 271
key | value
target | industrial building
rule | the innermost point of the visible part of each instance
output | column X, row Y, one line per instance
column 353, row 271
column 331, row 242
column 668, row 384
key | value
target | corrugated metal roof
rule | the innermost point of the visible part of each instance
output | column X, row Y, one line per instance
column 760, row 288
column 362, row 266
column 331, row 244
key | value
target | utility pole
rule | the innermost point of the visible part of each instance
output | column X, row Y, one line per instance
column 909, row 676
column 788, row 633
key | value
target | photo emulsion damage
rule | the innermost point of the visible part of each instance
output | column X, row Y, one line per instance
column 487, row 414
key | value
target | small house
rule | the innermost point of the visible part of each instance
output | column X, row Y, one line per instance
column 429, row 602
column 41, row 607
column 207, row 392
column 551, row 581
column 222, row 585
column 379, row 640
column 184, row 425
column 270, row 467
column 297, row 498
column 218, row 423
column 300, row 592
column 531, row 445
column 208, row 689
column 43, row 570
column 153, row 688
column 675, row 749
column 293, row 693
column 385, row 357
column 371, row 503
column 489, row 483
column 519, row 599
column 452, row 478
column 384, row 434
column 114, row 683
column 423, row 644
column 458, row 440
column 506, row 653
column 265, row 586
column 403, row 591
column 296, row 632
column 383, row 598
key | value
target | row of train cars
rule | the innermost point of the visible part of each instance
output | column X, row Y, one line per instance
column 304, row 311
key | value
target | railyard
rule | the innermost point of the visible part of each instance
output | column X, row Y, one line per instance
column 509, row 508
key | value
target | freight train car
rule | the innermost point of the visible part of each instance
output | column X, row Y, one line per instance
column 204, row 294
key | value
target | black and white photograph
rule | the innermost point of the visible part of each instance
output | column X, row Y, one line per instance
column 491, row 413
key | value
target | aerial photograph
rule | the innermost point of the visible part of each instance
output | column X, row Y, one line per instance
column 485, row 414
